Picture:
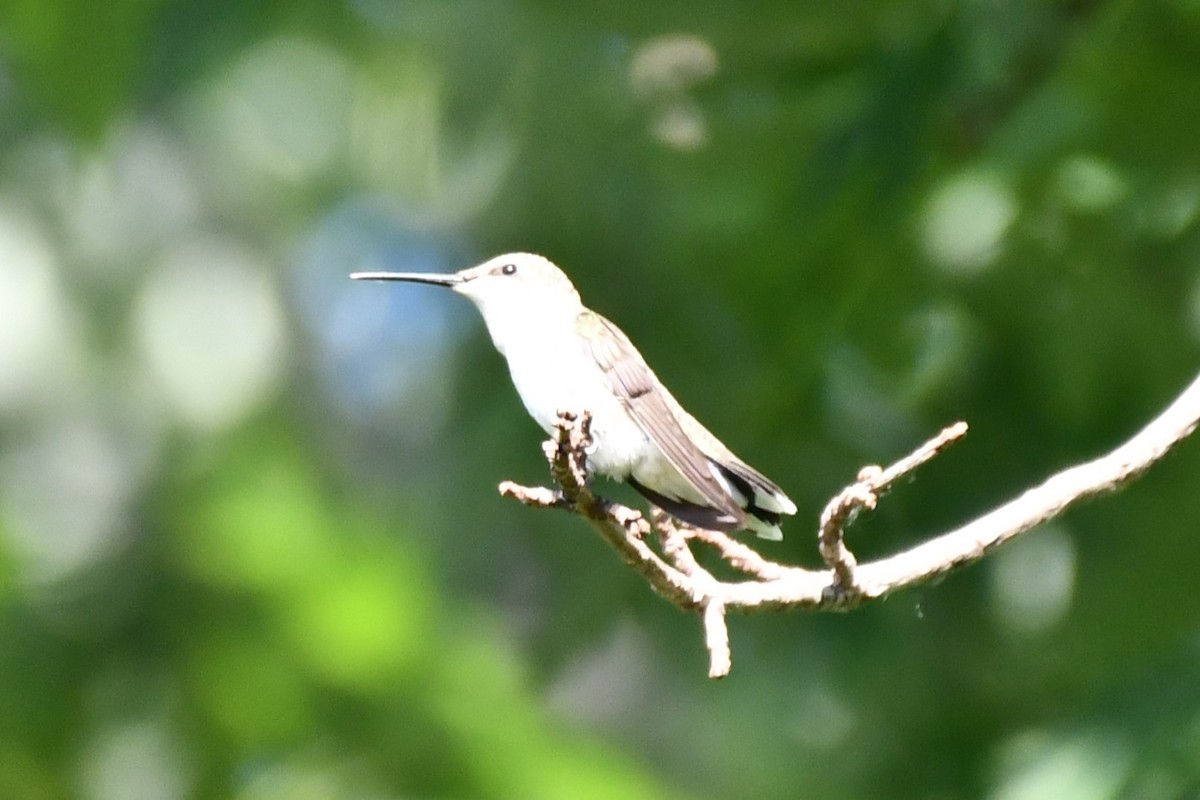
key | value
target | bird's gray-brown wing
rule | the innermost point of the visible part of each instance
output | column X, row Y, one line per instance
column 632, row 381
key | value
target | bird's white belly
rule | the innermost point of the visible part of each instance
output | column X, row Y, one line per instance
column 561, row 375
column 565, row 378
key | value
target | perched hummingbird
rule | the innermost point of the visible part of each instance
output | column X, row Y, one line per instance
column 565, row 357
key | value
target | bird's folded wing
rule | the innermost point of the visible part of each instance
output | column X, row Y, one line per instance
column 632, row 381
column 767, row 495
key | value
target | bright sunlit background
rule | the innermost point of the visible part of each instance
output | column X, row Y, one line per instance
column 250, row 540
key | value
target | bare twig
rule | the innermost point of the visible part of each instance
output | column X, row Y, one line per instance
column 716, row 638
column 674, row 537
column 845, row 583
column 864, row 494
column 740, row 556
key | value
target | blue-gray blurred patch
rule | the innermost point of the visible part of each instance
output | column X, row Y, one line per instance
column 377, row 347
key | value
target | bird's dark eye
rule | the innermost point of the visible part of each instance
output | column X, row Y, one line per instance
column 509, row 269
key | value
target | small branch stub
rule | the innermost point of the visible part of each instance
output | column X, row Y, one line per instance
column 864, row 494
column 674, row 572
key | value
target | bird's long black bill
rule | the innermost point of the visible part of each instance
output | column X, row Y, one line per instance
column 437, row 279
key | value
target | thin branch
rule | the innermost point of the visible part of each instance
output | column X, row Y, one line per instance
column 716, row 638
column 741, row 557
column 845, row 583
column 864, row 494
column 622, row 527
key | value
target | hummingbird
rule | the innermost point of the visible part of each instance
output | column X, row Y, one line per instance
column 563, row 356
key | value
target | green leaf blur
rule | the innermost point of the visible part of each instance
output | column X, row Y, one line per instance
column 250, row 541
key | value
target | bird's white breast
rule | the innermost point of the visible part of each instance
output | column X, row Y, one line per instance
column 553, row 371
column 562, row 376
column 566, row 378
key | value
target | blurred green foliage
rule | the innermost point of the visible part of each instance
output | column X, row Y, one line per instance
column 250, row 544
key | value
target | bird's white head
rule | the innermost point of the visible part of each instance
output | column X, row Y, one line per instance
column 518, row 294
column 516, row 283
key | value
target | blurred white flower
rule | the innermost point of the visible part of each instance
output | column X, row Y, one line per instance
column 210, row 327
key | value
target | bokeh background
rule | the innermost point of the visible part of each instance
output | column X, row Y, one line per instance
column 250, row 541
